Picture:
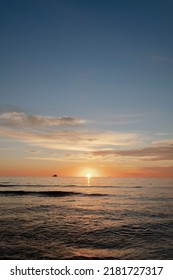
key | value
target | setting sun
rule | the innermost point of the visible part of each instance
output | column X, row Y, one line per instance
column 88, row 175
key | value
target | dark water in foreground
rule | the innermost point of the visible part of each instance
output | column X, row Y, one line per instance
column 69, row 218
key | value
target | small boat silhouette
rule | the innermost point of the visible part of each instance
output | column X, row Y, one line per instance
column 54, row 175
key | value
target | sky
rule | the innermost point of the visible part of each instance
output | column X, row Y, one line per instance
column 86, row 87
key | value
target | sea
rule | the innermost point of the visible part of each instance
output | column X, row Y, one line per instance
column 62, row 218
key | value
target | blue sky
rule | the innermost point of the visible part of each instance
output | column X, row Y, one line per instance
column 107, row 65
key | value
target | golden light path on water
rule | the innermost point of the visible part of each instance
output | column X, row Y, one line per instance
column 88, row 175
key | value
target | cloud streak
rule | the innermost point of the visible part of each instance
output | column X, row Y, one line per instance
column 157, row 152
column 61, row 134
column 84, row 140
column 162, row 59
column 122, row 119
column 22, row 119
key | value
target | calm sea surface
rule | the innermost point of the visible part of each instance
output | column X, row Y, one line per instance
column 71, row 218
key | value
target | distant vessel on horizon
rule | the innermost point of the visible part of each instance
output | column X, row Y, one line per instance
column 54, row 175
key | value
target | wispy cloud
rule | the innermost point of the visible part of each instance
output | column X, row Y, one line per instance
column 157, row 58
column 62, row 133
column 162, row 59
column 84, row 140
column 120, row 119
column 157, row 152
column 34, row 151
column 6, row 149
column 22, row 119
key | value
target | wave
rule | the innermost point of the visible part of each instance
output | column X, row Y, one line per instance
column 27, row 185
column 6, row 186
column 47, row 193
column 96, row 194
column 36, row 193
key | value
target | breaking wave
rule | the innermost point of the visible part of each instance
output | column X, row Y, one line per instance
column 46, row 193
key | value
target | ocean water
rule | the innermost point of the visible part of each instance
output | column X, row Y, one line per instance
column 73, row 218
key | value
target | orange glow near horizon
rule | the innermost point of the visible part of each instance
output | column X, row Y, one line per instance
column 47, row 169
column 43, row 168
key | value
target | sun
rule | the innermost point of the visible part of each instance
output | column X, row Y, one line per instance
column 88, row 175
